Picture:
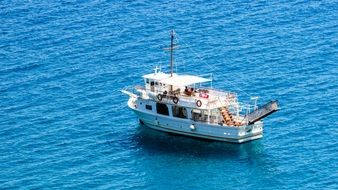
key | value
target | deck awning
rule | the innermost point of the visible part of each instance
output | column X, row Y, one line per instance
column 156, row 76
column 184, row 80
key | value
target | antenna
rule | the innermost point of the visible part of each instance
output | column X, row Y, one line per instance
column 171, row 48
column 171, row 51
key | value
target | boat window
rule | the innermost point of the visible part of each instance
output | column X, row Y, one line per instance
column 213, row 117
column 196, row 114
column 149, row 107
column 205, row 115
column 180, row 112
column 152, row 83
column 156, row 83
column 147, row 81
column 162, row 109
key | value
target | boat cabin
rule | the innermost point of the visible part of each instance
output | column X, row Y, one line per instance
column 162, row 83
column 187, row 88
column 153, row 82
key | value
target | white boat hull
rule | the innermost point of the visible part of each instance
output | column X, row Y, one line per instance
column 200, row 129
column 181, row 104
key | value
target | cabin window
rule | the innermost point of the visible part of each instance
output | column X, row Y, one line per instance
column 149, row 107
column 162, row 109
column 152, row 87
column 180, row 112
column 213, row 117
column 205, row 115
column 196, row 114
column 147, row 81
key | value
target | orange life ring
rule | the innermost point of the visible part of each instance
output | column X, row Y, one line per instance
column 198, row 103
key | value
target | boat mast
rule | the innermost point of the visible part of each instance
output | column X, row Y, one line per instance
column 171, row 48
column 171, row 51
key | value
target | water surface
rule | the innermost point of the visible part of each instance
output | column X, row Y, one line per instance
column 64, row 124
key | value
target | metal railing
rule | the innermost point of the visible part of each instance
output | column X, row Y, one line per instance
column 262, row 111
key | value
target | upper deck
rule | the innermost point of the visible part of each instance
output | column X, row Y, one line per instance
column 185, row 90
column 201, row 98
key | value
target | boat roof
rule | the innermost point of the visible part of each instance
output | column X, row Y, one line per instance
column 184, row 80
column 157, row 76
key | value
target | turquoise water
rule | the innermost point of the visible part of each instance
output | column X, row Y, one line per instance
column 64, row 124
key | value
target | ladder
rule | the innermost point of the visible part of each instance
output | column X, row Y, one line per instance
column 228, row 118
column 262, row 112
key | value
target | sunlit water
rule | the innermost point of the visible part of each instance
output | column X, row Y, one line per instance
column 65, row 124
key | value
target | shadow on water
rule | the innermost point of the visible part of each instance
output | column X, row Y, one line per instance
column 152, row 141
column 147, row 143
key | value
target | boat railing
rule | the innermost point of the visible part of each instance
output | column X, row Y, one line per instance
column 139, row 87
column 128, row 88
column 216, row 99
column 245, row 109
column 210, row 96
column 136, row 90
column 229, row 97
column 220, row 92
column 212, row 119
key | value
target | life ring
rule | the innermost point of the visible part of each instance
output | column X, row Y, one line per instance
column 175, row 100
column 159, row 97
column 198, row 103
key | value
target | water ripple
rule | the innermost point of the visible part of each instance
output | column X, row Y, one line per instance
column 65, row 124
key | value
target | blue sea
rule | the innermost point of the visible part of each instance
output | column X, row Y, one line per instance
column 64, row 123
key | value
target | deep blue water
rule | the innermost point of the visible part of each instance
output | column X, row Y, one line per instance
column 64, row 124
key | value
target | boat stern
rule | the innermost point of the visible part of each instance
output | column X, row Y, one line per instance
column 250, row 132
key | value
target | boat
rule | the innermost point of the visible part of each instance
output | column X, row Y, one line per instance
column 188, row 105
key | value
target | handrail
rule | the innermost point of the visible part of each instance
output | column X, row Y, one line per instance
column 131, row 90
column 224, row 98
column 262, row 111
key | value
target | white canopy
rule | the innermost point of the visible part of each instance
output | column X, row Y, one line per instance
column 156, row 76
column 183, row 80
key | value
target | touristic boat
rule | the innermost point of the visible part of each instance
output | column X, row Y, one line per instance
column 188, row 105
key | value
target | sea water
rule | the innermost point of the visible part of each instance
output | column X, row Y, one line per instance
column 64, row 122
